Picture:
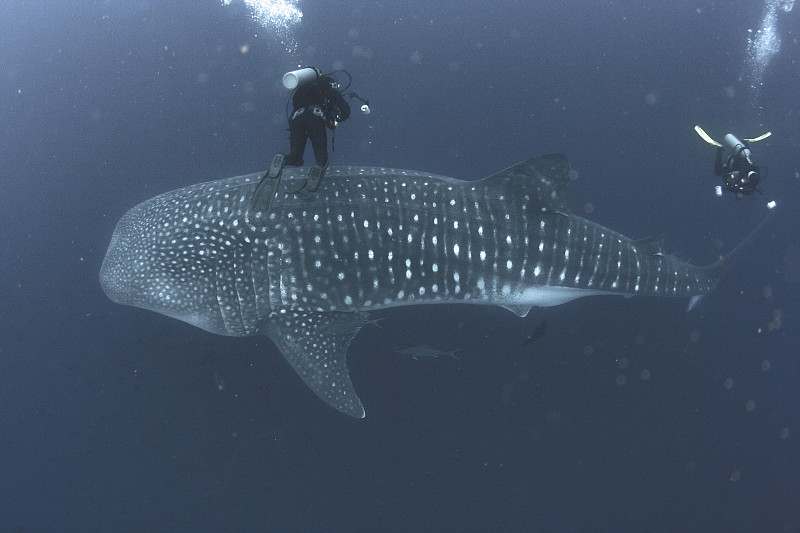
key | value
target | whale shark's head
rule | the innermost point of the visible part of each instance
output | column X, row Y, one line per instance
column 160, row 260
column 122, row 275
column 137, row 271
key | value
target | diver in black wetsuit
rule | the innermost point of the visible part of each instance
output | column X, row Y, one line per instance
column 316, row 106
column 738, row 172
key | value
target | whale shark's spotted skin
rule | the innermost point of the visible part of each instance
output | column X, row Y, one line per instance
column 374, row 238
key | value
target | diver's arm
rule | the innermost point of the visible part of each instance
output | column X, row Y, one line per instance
column 718, row 168
column 341, row 105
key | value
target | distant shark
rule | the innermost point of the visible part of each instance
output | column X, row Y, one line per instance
column 374, row 238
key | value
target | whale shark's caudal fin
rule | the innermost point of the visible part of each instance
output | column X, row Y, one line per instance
column 730, row 256
column 717, row 268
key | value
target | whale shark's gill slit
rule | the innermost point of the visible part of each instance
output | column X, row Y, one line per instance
column 248, row 299
column 259, row 279
column 223, row 304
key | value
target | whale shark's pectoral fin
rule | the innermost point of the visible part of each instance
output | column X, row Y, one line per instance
column 319, row 357
column 693, row 301
column 519, row 310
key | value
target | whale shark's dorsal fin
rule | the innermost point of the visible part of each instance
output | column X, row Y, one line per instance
column 652, row 244
column 546, row 177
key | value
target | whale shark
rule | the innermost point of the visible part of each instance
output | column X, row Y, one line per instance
column 374, row 238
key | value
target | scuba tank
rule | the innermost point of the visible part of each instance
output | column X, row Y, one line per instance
column 295, row 78
column 737, row 147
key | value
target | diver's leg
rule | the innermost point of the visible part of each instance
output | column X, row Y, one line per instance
column 297, row 141
column 718, row 169
column 319, row 140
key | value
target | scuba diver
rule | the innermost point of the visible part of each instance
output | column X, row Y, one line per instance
column 738, row 172
column 317, row 104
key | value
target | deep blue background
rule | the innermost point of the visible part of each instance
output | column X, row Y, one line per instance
column 116, row 419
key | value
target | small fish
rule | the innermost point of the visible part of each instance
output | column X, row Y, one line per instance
column 419, row 351
column 538, row 333
column 347, row 322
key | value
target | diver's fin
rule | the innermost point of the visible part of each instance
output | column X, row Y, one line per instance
column 319, row 358
column 268, row 186
column 314, row 177
column 759, row 138
column 703, row 135
column 308, row 192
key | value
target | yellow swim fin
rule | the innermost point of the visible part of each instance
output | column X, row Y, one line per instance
column 759, row 138
column 703, row 135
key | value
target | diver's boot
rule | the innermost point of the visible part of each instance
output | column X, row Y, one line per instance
column 308, row 192
column 268, row 186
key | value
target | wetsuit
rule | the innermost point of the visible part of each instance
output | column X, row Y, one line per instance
column 316, row 105
column 740, row 176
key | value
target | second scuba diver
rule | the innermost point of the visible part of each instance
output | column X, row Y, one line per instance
column 738, row 172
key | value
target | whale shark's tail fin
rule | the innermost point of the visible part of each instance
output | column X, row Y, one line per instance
column 717, row 268
column 730, row 256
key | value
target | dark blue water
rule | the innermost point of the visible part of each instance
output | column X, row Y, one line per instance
column 628, row 415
